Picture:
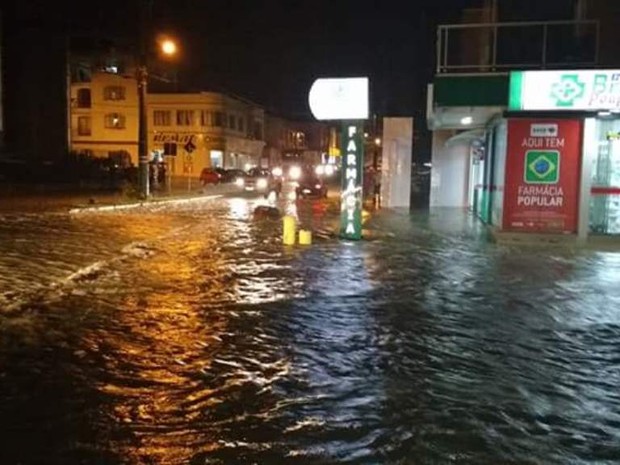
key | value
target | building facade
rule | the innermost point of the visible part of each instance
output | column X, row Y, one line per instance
column 199, row 129
column 104, row 117
column 209, row 130
column 298, row 142
column 532, row 151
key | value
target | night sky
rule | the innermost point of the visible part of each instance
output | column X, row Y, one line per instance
column 270, row 51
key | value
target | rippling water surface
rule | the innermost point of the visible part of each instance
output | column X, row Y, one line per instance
column 188, row 334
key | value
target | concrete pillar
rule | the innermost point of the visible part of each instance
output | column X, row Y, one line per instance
column 450, row 171
column 396, row 162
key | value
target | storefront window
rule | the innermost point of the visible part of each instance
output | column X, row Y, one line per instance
column 605, row 193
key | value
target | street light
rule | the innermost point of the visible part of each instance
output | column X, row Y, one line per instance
column 167, row 47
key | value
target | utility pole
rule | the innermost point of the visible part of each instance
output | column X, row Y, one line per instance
column 142, row 77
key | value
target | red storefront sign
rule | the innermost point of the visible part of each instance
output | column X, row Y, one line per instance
column 541, row 191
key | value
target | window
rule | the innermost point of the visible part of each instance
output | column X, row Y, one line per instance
column 83, row 98
column 206, row 118
column 114, row 93
column 218, row 120
column 185, row 118
column 232, row 122
column 258, row 130
column 162, row 118
column 84, row 126
column 241, row 124
column 114, row 121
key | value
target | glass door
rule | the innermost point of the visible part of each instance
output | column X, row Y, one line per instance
column 605, row 193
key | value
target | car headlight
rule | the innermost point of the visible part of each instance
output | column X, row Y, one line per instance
column 295, row 173
column 261, row 184
column 277, row 171
column 317, row 186
column 320, row 170
column 329, row 170
column 240, row 182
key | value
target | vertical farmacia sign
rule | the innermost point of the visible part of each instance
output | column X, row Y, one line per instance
column 352, row 181
column 346, row 100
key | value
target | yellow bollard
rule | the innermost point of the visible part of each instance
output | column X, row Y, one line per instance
column 305, row 237
column 289, row 230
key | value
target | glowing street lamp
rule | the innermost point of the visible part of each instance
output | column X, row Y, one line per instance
column 169, row 47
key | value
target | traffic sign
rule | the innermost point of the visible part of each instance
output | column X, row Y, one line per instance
column 190, row 146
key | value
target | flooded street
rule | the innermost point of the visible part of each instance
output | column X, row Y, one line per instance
column 188, row 334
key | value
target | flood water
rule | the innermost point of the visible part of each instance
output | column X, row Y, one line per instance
column 190, row 335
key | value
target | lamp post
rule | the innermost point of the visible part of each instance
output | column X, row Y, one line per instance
column 142, row 78
column 167, row 47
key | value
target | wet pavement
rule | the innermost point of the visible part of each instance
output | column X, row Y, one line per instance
column 188, row 334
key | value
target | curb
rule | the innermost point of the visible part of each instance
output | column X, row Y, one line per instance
column 108, row 208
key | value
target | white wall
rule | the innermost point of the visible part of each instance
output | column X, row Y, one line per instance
column 396, row 162
column 450, row 171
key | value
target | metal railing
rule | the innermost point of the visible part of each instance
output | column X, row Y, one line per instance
column 498, row 47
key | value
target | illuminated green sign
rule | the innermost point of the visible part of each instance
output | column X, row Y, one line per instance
column 589, row 90
column 352, row 178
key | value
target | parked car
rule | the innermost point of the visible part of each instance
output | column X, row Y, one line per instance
column 311, row 186
column 210, row 176
column 260, row 180
column 233, row 174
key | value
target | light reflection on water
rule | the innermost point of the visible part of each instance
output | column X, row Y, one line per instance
column 199, row 338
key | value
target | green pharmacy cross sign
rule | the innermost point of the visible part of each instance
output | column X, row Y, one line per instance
column 542, row 167
column 567, row 90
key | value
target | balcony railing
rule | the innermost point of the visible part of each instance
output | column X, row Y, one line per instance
column 499, row 47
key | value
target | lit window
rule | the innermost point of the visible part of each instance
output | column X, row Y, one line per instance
column 114, row 93
column 84, row 126
column 114, row 121
column 185, row 118
column 162, row 118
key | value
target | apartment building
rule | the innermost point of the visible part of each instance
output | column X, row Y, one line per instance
column 104, row 117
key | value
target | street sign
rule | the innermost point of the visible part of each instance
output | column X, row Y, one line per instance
column 170, row 148
column 190, row 146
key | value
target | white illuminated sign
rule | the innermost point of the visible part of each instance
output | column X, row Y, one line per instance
column 339, row 98
column 590, row 90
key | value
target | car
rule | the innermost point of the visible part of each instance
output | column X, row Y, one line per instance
column 311, row 186
column 210, row 176
column 233, row 174
column 260, row 180
column 223, row 174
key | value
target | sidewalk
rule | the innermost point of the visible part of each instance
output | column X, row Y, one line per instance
column 35, row 199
